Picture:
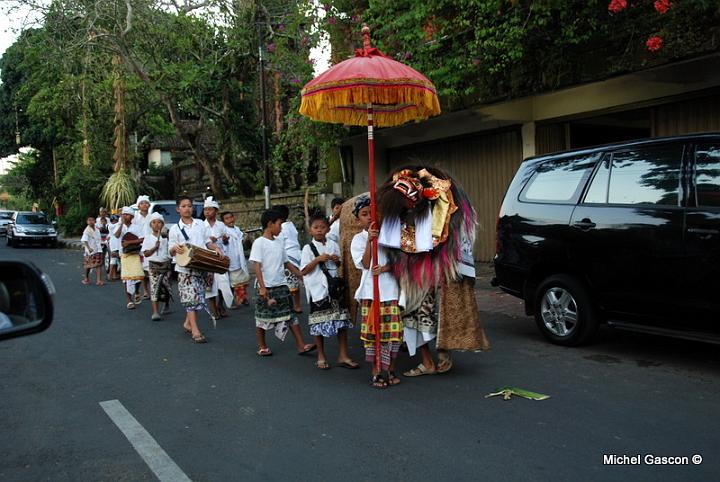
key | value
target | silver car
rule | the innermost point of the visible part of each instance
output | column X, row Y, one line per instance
column 5, row 219
column 29, row 227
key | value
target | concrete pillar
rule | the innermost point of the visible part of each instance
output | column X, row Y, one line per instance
column 527, row 132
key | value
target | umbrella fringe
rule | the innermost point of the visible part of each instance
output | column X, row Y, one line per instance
column 347, row 106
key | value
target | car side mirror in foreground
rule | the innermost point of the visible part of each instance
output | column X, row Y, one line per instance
column 26, row 299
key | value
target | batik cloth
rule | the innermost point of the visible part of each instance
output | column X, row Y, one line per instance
column 293, row 283
column 421, row 325
column 327, row 318
column 192, row 291
column 160, row 287
column 391, row 331
column 92, row 261
column 131, row 267
column 279, row 316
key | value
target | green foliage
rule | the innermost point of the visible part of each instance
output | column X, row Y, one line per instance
column 119, row 190
column 74, row 220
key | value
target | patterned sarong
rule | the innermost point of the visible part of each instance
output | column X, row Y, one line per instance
column 192, row 291
column 391, row 331
column 92, row 261
column 277, row 317
column 327, row 317
column 160, row 287
column 131, row 268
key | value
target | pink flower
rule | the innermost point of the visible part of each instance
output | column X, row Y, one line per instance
column 662, row 6
column 654, row 43
column 355, row 19
column 332, row 20
column 271, row 48
column 617, row 6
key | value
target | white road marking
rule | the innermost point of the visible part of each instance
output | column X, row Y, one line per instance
column 164, row 468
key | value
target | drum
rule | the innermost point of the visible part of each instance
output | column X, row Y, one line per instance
column 132, row 249
column 195, row 257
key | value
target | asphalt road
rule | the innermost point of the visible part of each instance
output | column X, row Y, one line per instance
column 222, row 413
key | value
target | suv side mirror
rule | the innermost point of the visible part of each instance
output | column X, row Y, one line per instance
column 26, row 304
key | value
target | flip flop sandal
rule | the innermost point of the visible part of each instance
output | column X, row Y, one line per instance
column 322, row 365
column 85, row 282
column 199, row 339
column 264, row 352
column 131, row 306
column 378, row 382
column 189, row 332
column 307, row 349
column 419, row 371
column 349, row 364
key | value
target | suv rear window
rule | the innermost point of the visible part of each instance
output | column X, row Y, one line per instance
column 559, row 180
column 648, row 175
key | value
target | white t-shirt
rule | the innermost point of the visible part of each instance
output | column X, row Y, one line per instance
column 216, row 231
column 289, row 235
column 316, row 284
column 162, row 254
column 114, row 242
column 334, row 233
column 234, row 249
column 134, row 228
column 388, row 283
column 91, row 236
column 142, row 221
column 197, row 234
column 271, row 254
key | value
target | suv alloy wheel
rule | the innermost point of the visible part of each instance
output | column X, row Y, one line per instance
column 564, row 311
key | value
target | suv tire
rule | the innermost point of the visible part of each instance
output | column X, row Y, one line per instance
column 564, row 311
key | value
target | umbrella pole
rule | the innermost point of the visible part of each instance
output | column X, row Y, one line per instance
column 373, row 216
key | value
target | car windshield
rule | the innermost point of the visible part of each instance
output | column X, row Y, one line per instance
column 6, row 215
column 170, row 214
column 31, row 219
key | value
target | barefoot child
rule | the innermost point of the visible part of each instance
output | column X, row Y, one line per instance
column 273, row 302
column 155, row 250
column 191, row 283
column 320, row 259
column 391, row 327
column 92, row 258
column 289, row 235
column 238, row 272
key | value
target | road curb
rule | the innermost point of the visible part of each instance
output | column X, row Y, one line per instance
column 69, row 243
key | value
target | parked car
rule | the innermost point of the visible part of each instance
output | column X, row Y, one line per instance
column 169, row 213
column 627, row 234
column 29, row 227
column 5, row 218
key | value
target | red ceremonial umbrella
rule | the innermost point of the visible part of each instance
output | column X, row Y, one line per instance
column 370, row 89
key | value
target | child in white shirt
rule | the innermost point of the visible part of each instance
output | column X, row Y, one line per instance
column 273, row 302
column 328, row 317
column 92, row 252
column 156, row 252
column 390, row 323
column 238, row 271
column 289, row 235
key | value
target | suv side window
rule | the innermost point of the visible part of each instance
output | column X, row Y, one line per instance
column 645, row 175
column 559, row 180
column 707, row 175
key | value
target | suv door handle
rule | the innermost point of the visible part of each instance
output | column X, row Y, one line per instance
column 584, row 224
column 703, row 231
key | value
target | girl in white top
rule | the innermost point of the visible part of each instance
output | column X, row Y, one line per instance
column 156, row 252
column 328, row 316
column 289, row 235
column 114, row 244
column 92, row 252
column 142, row 221
column 191, row 284
column 273, row 302
column 238, row 271
column 391, row 326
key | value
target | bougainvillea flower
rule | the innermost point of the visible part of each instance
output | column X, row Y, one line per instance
column 654, row 43
column 617, row 6
column 662, row 6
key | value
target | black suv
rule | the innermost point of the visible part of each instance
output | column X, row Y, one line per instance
column 627, row 234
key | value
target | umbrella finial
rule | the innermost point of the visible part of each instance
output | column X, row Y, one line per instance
column 366, row 36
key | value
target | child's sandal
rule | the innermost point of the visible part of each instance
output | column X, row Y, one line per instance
column 378, row 382
column 393, row 379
